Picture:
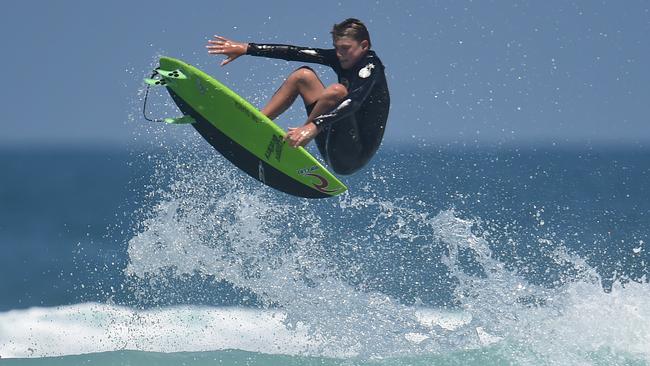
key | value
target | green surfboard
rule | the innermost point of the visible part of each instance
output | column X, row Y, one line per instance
column 242, row 134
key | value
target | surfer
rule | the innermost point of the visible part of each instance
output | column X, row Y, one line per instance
column 347, row 119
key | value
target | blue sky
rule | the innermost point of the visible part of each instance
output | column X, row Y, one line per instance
column 487, row 72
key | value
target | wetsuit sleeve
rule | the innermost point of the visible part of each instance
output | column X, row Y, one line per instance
column 293, row 53
column 352, row 102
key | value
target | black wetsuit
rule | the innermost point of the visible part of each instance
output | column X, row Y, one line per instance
column 351, row 133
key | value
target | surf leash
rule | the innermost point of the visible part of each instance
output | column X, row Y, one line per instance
column 146, row 97
column 176, row 74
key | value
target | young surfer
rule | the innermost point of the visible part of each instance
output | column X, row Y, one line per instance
column 347, row 119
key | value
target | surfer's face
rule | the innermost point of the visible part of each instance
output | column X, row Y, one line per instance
column 350, row 51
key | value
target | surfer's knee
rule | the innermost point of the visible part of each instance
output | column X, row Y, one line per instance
column 335, row 92
column 303, row 75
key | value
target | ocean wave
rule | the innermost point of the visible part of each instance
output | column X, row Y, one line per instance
column 324, row 267
column 93, row 328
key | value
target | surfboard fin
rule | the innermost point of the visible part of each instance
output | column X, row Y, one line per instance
column 180, row 120
column 174, row 74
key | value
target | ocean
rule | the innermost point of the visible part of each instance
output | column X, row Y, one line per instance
column 166, row 254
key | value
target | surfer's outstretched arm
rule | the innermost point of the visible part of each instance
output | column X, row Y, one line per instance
column 232, row 50
column 286, row 52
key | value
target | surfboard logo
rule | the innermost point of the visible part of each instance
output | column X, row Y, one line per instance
column 305, row 171
column 247, row 111
column 322, row 184
column 275, row 145
column 366, row 71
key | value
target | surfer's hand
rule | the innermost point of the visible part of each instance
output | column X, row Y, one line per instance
column 224, row 46
column 301, row 136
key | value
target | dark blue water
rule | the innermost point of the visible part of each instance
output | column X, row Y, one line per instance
column 67, row 214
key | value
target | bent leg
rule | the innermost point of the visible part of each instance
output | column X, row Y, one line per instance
column 328, row 99
column 303, row 82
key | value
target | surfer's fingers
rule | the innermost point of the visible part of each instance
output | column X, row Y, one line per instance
column 215, row 48
column 290, row 137
column 300, row 142
column 296, row 141
column 219, row 43
column 228, row 60
column 289, row 134
column 221, row 40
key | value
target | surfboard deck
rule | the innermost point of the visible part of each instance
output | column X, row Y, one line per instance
column 242, row 134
